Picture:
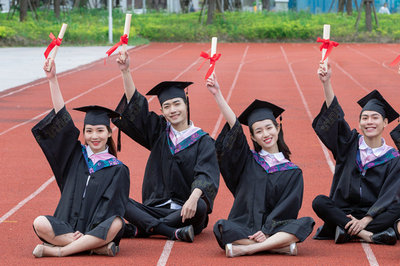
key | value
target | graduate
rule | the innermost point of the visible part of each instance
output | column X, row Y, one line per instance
column 362, row 201
column 267, row 187
column 182, row 175
column 94, row 184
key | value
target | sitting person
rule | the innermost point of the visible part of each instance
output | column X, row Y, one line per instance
column 267, row 187
column 94, row 185
column 384, row 9
column 182, row 175
column 362, row 201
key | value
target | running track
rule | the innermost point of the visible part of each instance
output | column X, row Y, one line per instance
column 282, row 73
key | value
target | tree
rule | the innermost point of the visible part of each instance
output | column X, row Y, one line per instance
column 266, row 4
column 211, row 11
column 23, row 9
column 57, row 8
column 348, row 4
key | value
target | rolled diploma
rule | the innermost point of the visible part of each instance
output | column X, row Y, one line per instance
column 55, row 50
column 326, row 35
column 213, row 47
column 127, row 28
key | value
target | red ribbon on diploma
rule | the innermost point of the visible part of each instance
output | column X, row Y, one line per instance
column 123, row 40
column 55, row 41
column 396, row 61
column 328, row 45
column 212, row 59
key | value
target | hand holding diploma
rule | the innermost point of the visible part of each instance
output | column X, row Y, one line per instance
column 327, row 45
column 124, row 38
column 55, row 43
column 213, row 57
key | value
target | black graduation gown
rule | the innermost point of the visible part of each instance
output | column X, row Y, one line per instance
column 108, row 189
column 170, row 173
column 370, row 189
column 266, row 198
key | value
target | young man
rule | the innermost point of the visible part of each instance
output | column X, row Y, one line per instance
column 182, row 175
column 362, row 201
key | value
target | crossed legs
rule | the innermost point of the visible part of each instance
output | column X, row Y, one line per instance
column 71, row 243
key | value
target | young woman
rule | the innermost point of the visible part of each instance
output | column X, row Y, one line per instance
column 267, row 187
column 362, row 201
column 94, row 185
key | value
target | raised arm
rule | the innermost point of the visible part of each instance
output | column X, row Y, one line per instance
column 56, row 96
column 325, row 77
column 213, row 87
column 129, row 86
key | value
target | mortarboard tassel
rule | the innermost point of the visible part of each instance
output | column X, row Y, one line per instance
column 188, row 109
column 119, row 140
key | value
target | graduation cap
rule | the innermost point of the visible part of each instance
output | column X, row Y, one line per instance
column 258, row 111
column 374, row 101
column 98, row 115
column 167, row 90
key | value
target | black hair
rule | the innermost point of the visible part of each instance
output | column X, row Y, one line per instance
column 282, row 147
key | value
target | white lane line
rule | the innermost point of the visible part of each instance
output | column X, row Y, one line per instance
column 91, row 89
column 214, row 133
column 351, row 77
column 366, row 247
column 162, row 261
column 371, row 59
column 370, row 254
column 23, row 202
column 303, row 99
column 66, row 73
column 165, row 253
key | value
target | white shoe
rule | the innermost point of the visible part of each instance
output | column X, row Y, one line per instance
column 288, row 250
column 228, row 250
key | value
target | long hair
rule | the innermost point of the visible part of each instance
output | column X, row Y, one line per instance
column 282, row 147
column 110, row 142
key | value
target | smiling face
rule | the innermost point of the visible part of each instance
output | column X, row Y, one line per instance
column 372, row 124
column 265, row 133
column 175, row 111
column 96, row 137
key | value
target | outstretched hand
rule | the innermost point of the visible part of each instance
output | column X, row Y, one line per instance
column 123, row 61
column 52, row 73
column 212, row 84
column 323, row 73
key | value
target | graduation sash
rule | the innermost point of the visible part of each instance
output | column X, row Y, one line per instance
column 391, row 154
column 100, row 164
column 276, row 168
column 184, row 143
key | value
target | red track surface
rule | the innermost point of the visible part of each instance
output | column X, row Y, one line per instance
column 282, row 73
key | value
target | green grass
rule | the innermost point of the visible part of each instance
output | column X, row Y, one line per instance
column 90, row 27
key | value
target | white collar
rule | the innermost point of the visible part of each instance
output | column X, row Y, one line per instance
column 90, row 152
column 278, row 156
column 376, row 151
column 179, row 133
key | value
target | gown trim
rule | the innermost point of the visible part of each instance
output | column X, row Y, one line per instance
column 100, row 164
column 184, row 143
column 276, row 168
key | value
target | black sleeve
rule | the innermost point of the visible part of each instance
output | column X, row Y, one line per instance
column 58, row 138
column 115, row 197
column 232, row 151
column 395, row 134
column 288, row 204
column 333, row 130
column 389, row 191
column 206, row 171
column 138, row 122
